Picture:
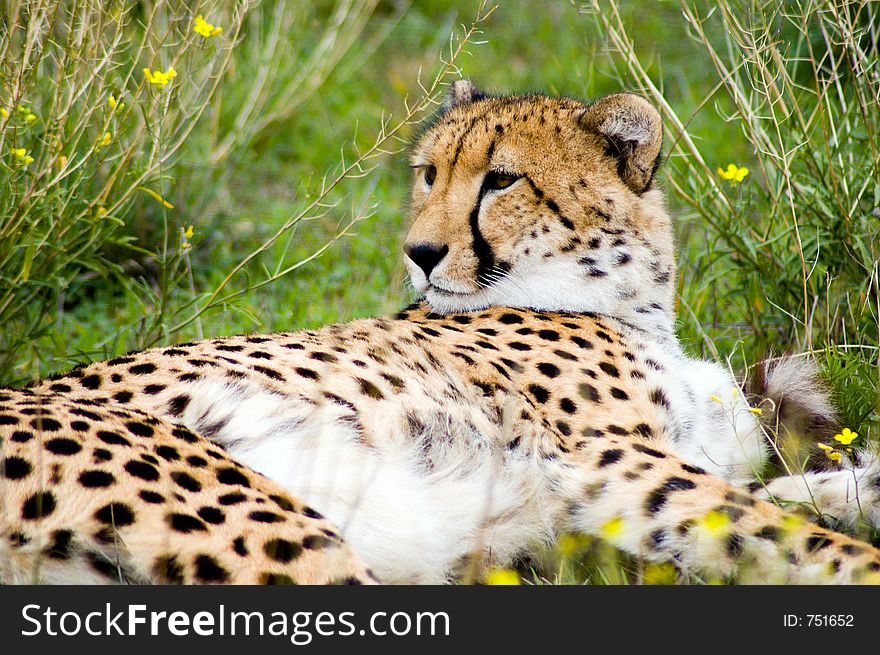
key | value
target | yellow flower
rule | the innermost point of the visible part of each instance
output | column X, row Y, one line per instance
column 115, row 104
column 203, row 27
column 189, row 232
column 660, row 573
column 832, row 454
column 158, row 77
column 846, row 436
column 733, row 173
column 106, row 140
column 21, row 156
column 716, row 522
column 612, row 528
column 714, row 398
column 4, row 112
column 757, row 411
column 61, row 162
column 502, row 577
column 155, row 196
column 30, row 118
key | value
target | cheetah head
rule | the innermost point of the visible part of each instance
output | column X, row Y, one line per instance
column 543, row 203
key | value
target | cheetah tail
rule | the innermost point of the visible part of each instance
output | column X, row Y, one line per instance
column 799, row 412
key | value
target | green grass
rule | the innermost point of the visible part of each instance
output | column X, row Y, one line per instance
column 126, row 280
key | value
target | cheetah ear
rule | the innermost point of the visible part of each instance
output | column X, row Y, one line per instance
column 633, row 130
column 461, row 92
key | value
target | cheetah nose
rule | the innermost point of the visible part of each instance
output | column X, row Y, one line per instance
column 426, row 255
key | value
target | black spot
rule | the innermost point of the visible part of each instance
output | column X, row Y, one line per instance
column 60, row 387
column 184, row 435
column 283, row 503
column 510, row 318
column 269, row 372
column 306, row 373
column 567, row 405
column 96, row 479
column 185, row 523
column 142, row 470
column 316, row 542
column 739, row 499
column 735, row 544
column 265, row 517
column 518, row 345
column 60, row 546
column 197, row 461
column 620, row 394
column 548, row 335
column 370, row 389
column 232, row 476
column 609, row 369
column 644, row 430
column 91, row 381
column 102, row 455
column 168, row 453
column 539, row 392
column 588, row 392
column 818, row 542
column 696, row 470
column 22, row 436
column 151, row 497
column 646, row 450
column 61, row 446
column 563, row 427
column 231, row 499
column 658, row 397
column 174, row 352
column 15, row 468
column 769, row 532
column 168, row 570
column 659, row 496
column 239, row 547
column 185, row 481
column 276, row 579
column 550, row 370
column 115, row 514
column 153, row 389
column 610, row 457
column 122, row 396
column 101, row 564
column 312, row 514
column 45, row 424
column 211, row 515
column 139, row 429
column 112, row 439
column 209, row 570
column 142, row 369
column 282, row 550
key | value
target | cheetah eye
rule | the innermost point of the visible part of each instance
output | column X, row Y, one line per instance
column 430, row 174
column 495, row 181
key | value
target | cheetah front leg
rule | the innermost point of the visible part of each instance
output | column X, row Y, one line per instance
column 654, row 505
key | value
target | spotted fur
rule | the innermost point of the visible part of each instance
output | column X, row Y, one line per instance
column 93, row 492
column 538, row 388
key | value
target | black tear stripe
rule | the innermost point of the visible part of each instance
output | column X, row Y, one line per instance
column 482, row 249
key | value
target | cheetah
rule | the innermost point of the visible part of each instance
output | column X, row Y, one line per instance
column 94, row 493
column 537, row 386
